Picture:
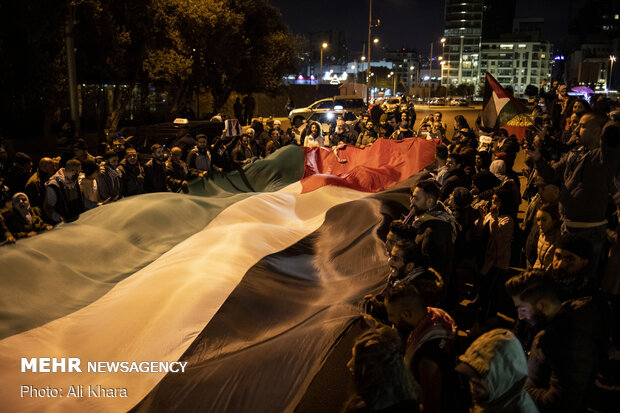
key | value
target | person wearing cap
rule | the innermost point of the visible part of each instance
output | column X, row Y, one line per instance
column 567, row 350
column 496, row 367
column 585, row 175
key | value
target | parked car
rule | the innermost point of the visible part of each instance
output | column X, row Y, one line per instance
column 437, row 102
column 458, row 102
column 337, row 104
column 392, row 104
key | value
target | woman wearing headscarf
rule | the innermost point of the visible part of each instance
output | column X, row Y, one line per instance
column 22, row 220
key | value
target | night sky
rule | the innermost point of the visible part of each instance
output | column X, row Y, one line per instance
column 404, row 23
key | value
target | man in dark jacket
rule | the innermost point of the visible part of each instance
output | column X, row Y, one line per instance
column 238, row 110
column 585, row 175
column 155, row 171
column 343, row 133
column 35, row 187
column 63, row 198
column 435, row 226
column 455, row 177
column 564, row 355
column 109, row 181
column 131, row 173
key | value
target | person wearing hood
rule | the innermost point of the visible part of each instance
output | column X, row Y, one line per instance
column 109, row 180
column 435, row 227
column 565, row 354
column 429, row 350
column 63, row 198
column 382, row 381
column 22, row 220
column 496, row 367
column 368, row 137
column 385, row 129
column 315, row 137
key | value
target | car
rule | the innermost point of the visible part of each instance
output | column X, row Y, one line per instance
column 437, row 102
column 392, row 104
column 458, row 102
column 169, row 135
column 335, row 104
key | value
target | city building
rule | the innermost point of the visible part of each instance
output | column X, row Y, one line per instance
column 406, row 65
column 517, row 64
column 461, row 43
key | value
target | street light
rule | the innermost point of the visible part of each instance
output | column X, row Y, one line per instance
column 612, row 59
column 376, row 40
column 323, row 46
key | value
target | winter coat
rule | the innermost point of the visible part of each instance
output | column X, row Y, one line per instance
column 586, row 181
column 132, row 178
column 564, row 358
column 366, row 138
column 498, row 357
column 109, row 183
column 436, row 232
column 155, row 177
column 63, row 201
column 19, row 226
column 198, row 160
column 500, row 240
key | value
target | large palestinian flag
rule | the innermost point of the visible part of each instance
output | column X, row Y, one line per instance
column 251, row 282
column 500, row 108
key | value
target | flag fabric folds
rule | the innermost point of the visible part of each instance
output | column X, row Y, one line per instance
column 251, row 279
column 499, row 106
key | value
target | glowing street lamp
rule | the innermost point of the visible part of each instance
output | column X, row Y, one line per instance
column 376, row 40
column 612, row 59
column 323, row 46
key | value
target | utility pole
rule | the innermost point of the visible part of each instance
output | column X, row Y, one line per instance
column 368, row 69
column 72, row 74
column 430, row 66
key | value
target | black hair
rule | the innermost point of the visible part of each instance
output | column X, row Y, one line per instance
column 461, row 122
column 155, row 147
column 73, row 163
column 89, row 166
column 532, row 286
column 441, row 152
column 430, row 187
column 110, row 154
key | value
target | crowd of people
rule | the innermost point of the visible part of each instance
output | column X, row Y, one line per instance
column 439, row 337
column 74, row 181
column 462, row 241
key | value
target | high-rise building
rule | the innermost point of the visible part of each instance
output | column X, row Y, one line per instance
column 497, row 17
column 405, row 65
column 461, row 47
column 517, row 64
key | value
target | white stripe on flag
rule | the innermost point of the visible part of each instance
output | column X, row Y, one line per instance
column 155, row 314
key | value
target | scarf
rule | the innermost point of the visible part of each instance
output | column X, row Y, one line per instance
column 24, row 211
column 436, row 324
